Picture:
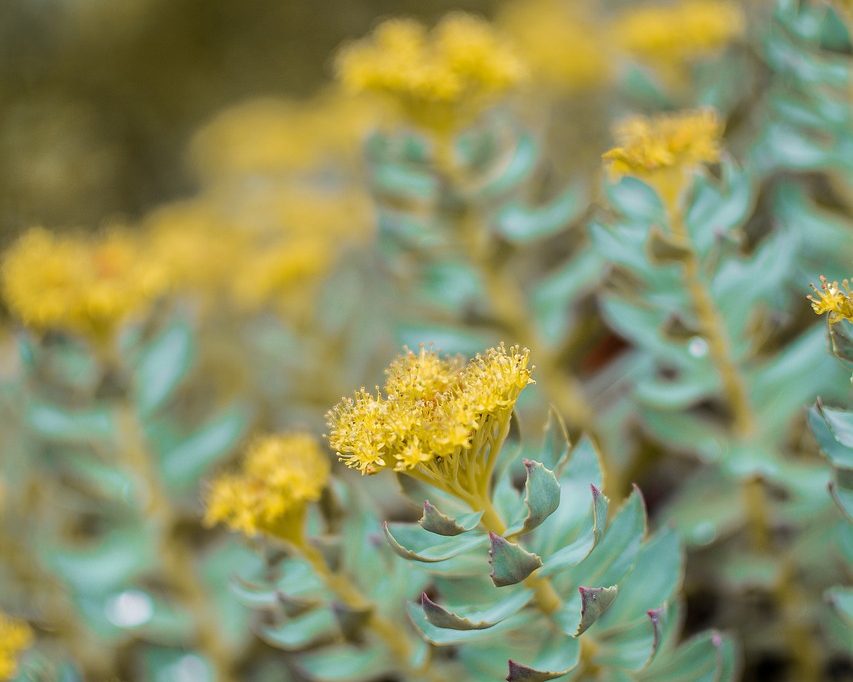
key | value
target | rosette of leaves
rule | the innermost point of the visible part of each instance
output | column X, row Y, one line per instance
column 118, row 447
column 560, row 593
column 809, row 118
column 297, row 610
column 833, row 429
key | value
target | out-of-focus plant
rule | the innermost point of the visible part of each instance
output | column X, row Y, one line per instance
column 98, row 391
column 15, row 637
column 335, row 596
column 687, row 293
column 538, row 584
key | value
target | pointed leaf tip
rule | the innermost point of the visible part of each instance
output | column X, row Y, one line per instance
column 522, row 673
column 541, row 494
column 441, row 524
column 594, row 602
column 510, row 562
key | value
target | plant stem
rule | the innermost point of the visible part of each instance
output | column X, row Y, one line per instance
column 546, row 596
column 351, row 596
column 788, row 594
column 178, row 563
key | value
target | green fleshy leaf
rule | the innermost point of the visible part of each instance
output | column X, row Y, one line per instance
column 440, row 524
column 77, row 426
column 839, row 454
column 515, row 171
column 448, row 637
column 297, row 633
column 351, row 621
column 541, row 496
column 840, row 422
column 594, row 602
column 345, row 663
column 523, row 225
column 412, row 542
column 187, row 462
column 843, row 498
column 510, row 562
column 162, row 365
column 554, row 452
column 841, row 599
column 600, row 503
column 260, row 597
column 480, row 619
column 841, row 339
column 697, row 660
column 556, row 657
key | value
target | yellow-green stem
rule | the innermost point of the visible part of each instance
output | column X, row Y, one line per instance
column 350, row 595
column 546, row 596
column 756, row 503
column 177, row 561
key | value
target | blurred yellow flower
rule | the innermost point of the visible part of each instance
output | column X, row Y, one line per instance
column 833, row 300
column 560, row 41
column 441, row 80
column 195, row 245
column 85, row 284
column 280, row 475
column 665, row 149
column 441, row 420
column 275, row 137
column 15, row 637
column 670, row 35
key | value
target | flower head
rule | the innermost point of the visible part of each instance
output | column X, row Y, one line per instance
column 664, row 150
column 88, row 285
column 834, row 301
column 439, row 419
column 440, row 79
column 669, row 35
column 15, row 637
column 280, row 475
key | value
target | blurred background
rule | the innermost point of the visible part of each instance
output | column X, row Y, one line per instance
column 100, row 99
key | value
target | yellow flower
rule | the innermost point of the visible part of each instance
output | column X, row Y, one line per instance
column 195, row 245
column 663, row 151
column 279, row 477
column 560, row 41
column 440, row 80
column 271, row 137
column 832, row 300
column 85, row 284
column 15, row 637
column 669, row 35
column 439, row 420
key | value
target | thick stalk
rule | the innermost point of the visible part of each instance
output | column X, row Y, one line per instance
column 788, row 595
column 546, row 596
column 177, row 561
column 393, row 636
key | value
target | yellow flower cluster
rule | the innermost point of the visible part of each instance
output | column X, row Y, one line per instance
column 833, row 300
column 88, row 285
column 663, row 150
column 281, row 474
column 442, row 79
column 15, row 637
column 671, row 34
column 560, row 41
column 440, row 420
column 277, row 136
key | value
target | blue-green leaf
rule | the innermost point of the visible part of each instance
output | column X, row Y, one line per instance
column 412, row 542
column 510, row 562
column 436, row 522
column 162, row 365
column 475, row 619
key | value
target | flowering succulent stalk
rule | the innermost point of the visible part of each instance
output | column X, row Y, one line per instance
column 269, row 496
column 666, row 152
column 441, row 422
column 15, row 637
